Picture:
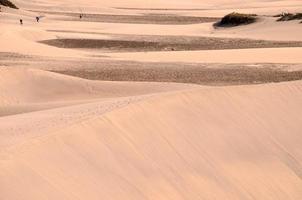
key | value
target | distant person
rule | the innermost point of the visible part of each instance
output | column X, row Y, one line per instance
column 81, row 16
column 21, row 21
column 38, row 19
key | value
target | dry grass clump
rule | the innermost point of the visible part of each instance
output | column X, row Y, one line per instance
column 236, row 19
column 289, row 16
column 8, row 4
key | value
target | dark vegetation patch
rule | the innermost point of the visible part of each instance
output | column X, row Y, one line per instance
column 236, row 19
column 141, row 19
column 289, row 16
column 188, row 74
column 113, row 45
column 139, row 43
column 8, row 4
column 196, row 73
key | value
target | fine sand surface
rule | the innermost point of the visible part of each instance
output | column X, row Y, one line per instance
column 265, row 55
column 149, row 100
column 37, row 88
column 224, row 144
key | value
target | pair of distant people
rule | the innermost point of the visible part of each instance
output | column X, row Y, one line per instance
column 37, row 19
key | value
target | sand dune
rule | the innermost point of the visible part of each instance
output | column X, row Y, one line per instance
column 42, row 100
column 38, row 90
column 225, row 143
column 40, row 86
column 163, row 4
column 63, row 137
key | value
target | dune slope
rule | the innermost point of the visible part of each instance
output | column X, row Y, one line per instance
column 25, row 90
column 33, row 85
column 238, row 142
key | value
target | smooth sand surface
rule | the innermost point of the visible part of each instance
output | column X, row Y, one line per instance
column 65, row 137
column 225, row 143
column 33, row 100
column 268, row 55
column 31, row 89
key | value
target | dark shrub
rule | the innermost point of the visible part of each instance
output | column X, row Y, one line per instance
column 8, row 4
column 290, row 16
column 236, row 19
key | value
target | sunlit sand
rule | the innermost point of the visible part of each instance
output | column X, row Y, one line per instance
column 128, row 99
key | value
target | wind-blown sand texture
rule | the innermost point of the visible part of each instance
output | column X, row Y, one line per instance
column 149, row 100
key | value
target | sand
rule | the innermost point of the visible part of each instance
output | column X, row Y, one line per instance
column 209, row 151
column 148, row 100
